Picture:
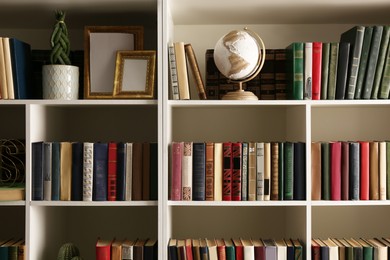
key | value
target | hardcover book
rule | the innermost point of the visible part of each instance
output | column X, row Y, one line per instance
column 153, row 171
column 193, row 64
column 295, row 60
column 345, row 172
column 325, row 171
column 374, row 170
column 182, row 71
column 274, row 171
column 129, row 171
column 87, row 170
column 103, row 249
column 236, row 172
column 325, row 70
column 333, row 69
column 308, row 70
column 100, row 160
column 354, row 170
column 260, row 171
column 209, row 171
column 121, row 172
column 66, row 171
column 173, row 73
column 112, row 171
column 186, row 171
column 244, row 173
column 299, row 189
column 56, row 169
column 335, row 170
column 252, row 171
column 199, row 171
column 175, row 181
column 227, row 171
column 267, row 171
column 364, row 170
column 218, row 171
column 47, row 175
column 363, row 61
column 145, row 171
column 77, row 171
column 137, row 171
column 289, row 171
column 316, row 170
column 381, row 60
column 281, row 171
column 316, row 70
column 342, row 71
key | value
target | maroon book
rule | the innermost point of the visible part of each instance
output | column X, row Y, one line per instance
column 112, row 170
column 175, row 178
column 335, row 170
column 236, row 174
column 227, row 171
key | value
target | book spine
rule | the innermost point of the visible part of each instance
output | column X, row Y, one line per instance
column 308, row 70
column 227, row 171
column 146, row 171
column 37, row 159
column 281, row 171
column 342, row 70
column 374, row 170
column 295, row 59
column 316, row 70
column 218, row 171
column 181, row 67
column 187, row 171
column 173, row 73
column 333, row 68
column 212, row 75
column 363, row 61
column 274, row 171
column 325, row 70
column 382, row 170
column 280, row 74
column 77, row 171
column 154, row 171
column 137, row 171
column 260, row 171
column 112, row 171
column 354, row 168
column 289, row 170
column 266, row 79
column 129, row 171
column 381, row 59
column 316, row 171
column 121, row 172
column 199, row 171
column 252, row 171
column 195, row 70
column 87, row 170
column 369, row 90
column 100, row 160
column 299, row 189
column 66, row 171
column 47, row 174
column 267, row 170
column 237, row 170
column 364, row 170
column 244, row 180
column 55, row 179
column 209, row 171
column 335, row 170
column 345, row 180
column 325, row 171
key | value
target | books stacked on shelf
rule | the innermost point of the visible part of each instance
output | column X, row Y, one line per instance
column 94, row 171
column 235, row 248
column 237, row 171
column 12, row 169
column 182, row 61
column 269, row 84
column 356, row 67
column 350, row 170
column 116, row 249
column 12, row 249
column 347, row 248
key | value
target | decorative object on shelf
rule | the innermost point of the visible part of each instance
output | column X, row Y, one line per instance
column 60, row 78
column 134, row 74
column 101, row 44
column 239, row 56
column 68, row 251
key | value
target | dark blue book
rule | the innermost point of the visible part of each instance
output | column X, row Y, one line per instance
column 121, row 172
column 172, row 249
column 21, row 68
column 299, row 171
column 153, row 171
column 354, row 170
column 100, row 171
column 342, row 70
column 37, row 159
column 56, row 166
column 150, row 250
column 199, row 171
column 77, row 171
column 290, row 249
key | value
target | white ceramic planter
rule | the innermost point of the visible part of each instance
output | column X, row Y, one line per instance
column 60, row 82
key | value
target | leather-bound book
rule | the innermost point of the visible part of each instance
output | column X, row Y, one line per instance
column 175, row 180
column 66, row 171
column 100, row 167
column 236, row 173
column 199, row 171
column 227, row 171
column 112, row 171
column 209, row 171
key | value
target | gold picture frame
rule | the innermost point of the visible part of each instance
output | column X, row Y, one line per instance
column 100, row 46
column 135, row 74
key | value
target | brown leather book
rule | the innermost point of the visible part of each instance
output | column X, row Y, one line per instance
column 209, row 171
column 274, row 171
column 138, row 249
column 137, row 172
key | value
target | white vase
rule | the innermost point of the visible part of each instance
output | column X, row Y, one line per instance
column 60, row 82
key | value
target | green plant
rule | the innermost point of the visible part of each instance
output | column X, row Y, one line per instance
column 68, row 251
column 59, row 41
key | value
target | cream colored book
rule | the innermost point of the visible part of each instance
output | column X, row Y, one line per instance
column 186, row 171
column 129, row 171
column 249, row 249
column 260, row 171
column 3, row 78
column 182, row 72
column 212, row 247
column 382, row 171
column 252, row 171
column 333, row 249
column 87, row 171
column 218, row 171
column 8, row 68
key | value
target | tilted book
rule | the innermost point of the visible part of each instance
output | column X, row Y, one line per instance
column 193, row 64
column 363, row 62
column 186, row 171
column 381, row 59
column 182, row 71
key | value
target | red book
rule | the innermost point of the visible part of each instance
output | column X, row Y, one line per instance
column 236, row 174
column 335, row 170
column 189, row 249
column 175, row 180
column 316, row 70
column 103, row 249
column 227, row 171
column 345, row 171
column 239, row 248
column 364, row 170
column 221, row 249
column 112, row 170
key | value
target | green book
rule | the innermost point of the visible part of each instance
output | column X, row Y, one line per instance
column 325, row 70
column 368, row 90
column 385, row 81
column 298, row 249
column 333, row 64
column 229, row 250
column 325, row 171
column 381, row 58
column 281, row 171
column 295, row 70
column 363, row 61
column 288, row 170
column 368, row 249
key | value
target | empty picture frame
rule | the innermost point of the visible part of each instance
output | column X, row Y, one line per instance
column 101, row 44
column 134, row 74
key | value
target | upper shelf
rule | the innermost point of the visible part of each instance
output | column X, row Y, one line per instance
column 186, row 12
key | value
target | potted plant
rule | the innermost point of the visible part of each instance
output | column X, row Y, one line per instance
column 60, row 79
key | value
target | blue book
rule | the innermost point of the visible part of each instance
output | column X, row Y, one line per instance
column 100, row 171
column 199, row 171
column 37, row 158
column 77, row 171
column 21, row 68
column 121, row 172
column 55, row 165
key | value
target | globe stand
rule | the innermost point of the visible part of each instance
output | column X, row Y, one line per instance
column 240, row 94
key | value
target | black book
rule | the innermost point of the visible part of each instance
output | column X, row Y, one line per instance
column 77, row 171
column 37, row 159
column 342, row 70
column 121, row 172
column 100, row 174
column 199, row 171
column 299, row 171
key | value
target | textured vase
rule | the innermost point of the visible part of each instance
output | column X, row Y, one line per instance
column 60, row 82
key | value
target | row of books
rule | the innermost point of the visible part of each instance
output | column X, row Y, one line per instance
column 137, row 249
column 235, row 249
column 237, row 171
column 356, row 67
column 94, row 171
column 269, row 84
column 182, row 61
column 12, row 249
column 350, row 170
column 350, row 248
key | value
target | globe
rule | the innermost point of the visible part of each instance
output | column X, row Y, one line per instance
column 239, row 56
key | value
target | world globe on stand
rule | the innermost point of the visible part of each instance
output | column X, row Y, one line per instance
column 239, row 55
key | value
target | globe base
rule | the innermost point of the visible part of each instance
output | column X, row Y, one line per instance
column 240, row 95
